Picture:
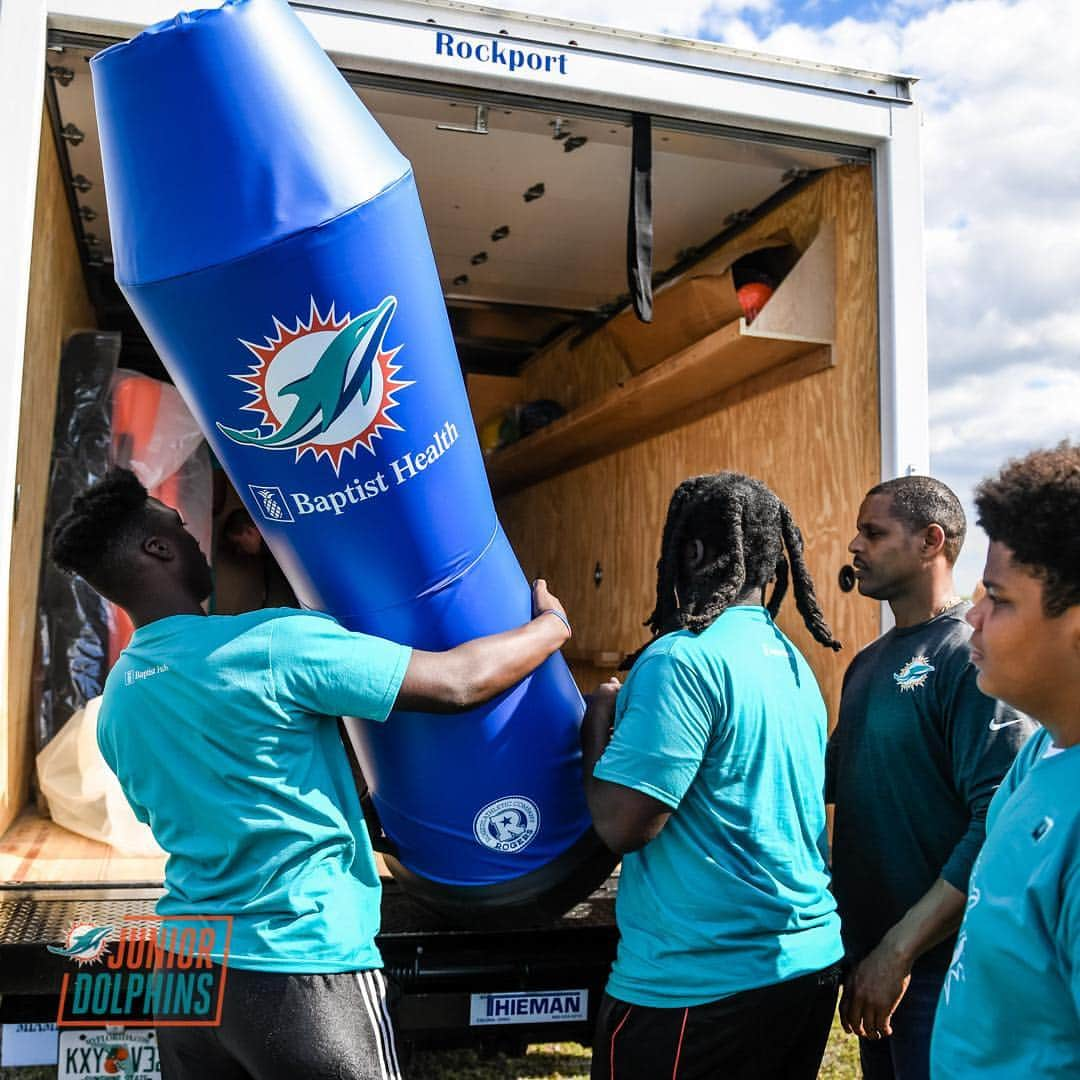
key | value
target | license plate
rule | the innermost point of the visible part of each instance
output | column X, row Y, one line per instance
column 109, row 1054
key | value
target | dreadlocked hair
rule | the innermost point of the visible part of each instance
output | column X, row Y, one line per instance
column 751, row 539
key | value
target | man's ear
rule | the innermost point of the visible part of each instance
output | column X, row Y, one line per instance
column 1071, row 615
column 158, row 548
column 933, row 540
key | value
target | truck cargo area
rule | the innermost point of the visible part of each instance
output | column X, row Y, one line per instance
column 526, row 203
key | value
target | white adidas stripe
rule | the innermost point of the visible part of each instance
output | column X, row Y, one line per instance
column 388, row 1027
column 372, row 993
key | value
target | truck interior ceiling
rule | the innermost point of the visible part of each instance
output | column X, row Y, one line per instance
column 525, row 202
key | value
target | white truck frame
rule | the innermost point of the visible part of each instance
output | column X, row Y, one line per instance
column 618, row 69
column 488, row 51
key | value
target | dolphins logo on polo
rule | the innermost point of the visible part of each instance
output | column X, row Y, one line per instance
column 914, row 673
column 324, row 387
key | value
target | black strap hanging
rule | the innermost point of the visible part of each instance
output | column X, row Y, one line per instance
column 639, row 224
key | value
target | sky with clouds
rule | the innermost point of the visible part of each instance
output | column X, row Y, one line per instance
column 1001, row 156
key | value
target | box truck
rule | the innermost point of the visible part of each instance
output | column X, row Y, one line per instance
column 561, row 167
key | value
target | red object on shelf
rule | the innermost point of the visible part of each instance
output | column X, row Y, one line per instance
column 752, row 297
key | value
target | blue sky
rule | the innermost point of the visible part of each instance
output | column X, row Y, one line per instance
column 814, row 13
column 1001, row 157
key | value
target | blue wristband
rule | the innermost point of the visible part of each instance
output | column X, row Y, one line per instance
column 562, row 618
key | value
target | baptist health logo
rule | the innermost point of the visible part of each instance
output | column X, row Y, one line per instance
column 323, row 388
column 132, row 677
column 271, row 502
column 508, row 825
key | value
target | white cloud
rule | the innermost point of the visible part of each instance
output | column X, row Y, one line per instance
column 1001, row 152
column 679, row 18
column 994, row 412
column 978, row 421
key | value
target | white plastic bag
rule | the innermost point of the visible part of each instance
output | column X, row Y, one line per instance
column 83, row 792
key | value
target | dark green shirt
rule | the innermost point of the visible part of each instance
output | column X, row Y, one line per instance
column 912, row 765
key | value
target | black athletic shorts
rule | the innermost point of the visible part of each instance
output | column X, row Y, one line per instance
column 777, row 1032
column 279, row 1025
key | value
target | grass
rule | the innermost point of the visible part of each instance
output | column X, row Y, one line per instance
column 841, row 1056
column 549, row 1061
column 568, row 1061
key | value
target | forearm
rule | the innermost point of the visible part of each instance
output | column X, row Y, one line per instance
column 603, row 807
column 595, row 735
column 927, row 922
column 878, row 984
column 476, row 671
column 489, row 665
column 957, row 868
column 623, row 818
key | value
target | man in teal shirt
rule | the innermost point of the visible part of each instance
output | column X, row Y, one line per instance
column 712, row 788
column 221, row 730
column 1010, row 1006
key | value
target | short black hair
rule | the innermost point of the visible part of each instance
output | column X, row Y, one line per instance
column 922, row 501
column 1033, row 507
column 100, row 532
column 747, row 529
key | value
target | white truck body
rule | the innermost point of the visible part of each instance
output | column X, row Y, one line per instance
column 488, row 64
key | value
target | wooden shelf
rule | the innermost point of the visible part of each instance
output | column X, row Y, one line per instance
column 733, row 363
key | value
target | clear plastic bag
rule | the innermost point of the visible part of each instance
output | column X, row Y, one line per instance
column 82, row 791
column 156, row 437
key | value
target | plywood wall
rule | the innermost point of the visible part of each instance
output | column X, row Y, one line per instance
column 815, row 442
column 491, row 394
column 58, row 306
column 571, row 376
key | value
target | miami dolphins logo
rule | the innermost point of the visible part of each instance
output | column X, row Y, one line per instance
column 914, row 673
column 84, row 943
column 324, row 387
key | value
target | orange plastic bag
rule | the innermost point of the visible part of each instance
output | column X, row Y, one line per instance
column 155, row 435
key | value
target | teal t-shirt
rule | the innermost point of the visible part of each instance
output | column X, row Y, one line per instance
column 1010, row 1006
column 728, row 728
column 221, row 731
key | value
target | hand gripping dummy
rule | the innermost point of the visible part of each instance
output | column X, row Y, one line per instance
column 269, row 238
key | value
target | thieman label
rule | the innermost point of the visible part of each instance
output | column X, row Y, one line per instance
column 540, row 1007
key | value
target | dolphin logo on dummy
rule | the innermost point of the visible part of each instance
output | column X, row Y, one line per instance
column 342, row 371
